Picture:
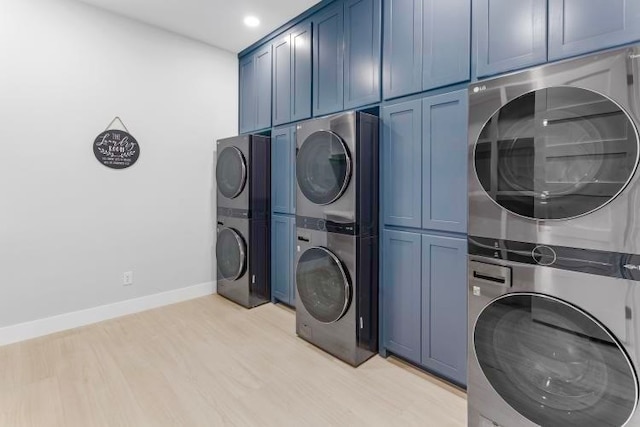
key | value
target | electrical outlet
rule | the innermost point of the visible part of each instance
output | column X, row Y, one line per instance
column 127, row 278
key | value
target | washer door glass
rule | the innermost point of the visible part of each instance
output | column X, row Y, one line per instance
column 230, row 254
column 556, row 153
column 323, row 286
column 231, row 172
column 323, row 167
column 553, row 363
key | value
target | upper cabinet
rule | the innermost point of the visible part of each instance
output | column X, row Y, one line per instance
column 346, row 53
column 509, row 34
column 426, row 45
column 576, row 28
column 255, row 90
column 292, row 75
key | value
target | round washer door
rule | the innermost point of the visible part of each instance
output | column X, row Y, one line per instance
column 553, row 363
column 323, row 167
column 231, row 254
column 556, row 153
column 231, row 172
column 323, row 285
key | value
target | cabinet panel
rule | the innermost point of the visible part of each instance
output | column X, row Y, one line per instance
column 282, row 80
column 402, row 64
column 446, row 43
column 575, row 28
column 401, row 164
column 301, row 72
column 444, row 187
column 362, row 52
column 444, row 306
column 401, row 293
column 247, row 95
column 509, row 34
column 281, row 258
column 328, row 70
column 282, row 163
column 263, row 88
column 292, row 261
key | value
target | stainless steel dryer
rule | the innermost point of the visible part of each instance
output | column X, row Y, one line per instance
column 243, row 176
column 337, row 170
column 554, row 153
column 337, row 291
column 242, row 256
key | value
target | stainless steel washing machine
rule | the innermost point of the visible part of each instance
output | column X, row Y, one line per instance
column 337, row 290
column 337, row 170
column 554, row 153
column 242, row 260
column 243, row 177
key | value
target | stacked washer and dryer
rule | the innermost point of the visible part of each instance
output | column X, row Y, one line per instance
column 242, row 248
column 337, row 235
column 554, row 246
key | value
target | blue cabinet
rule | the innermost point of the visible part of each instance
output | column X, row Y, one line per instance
column 509, row 34
column 362, row 30
column 283, row 232
column 576, row 27
column 444, row 139
column 255, row 90
column 402, row 164
column 292, row 75
column 444, row 306
column 400, row 292
column 427, row 45
column 283, row 181
column 328, row 56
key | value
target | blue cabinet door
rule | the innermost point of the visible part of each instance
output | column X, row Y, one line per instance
column 576, row 26
column 401, row 289
column 263, row 87
column 282, row 80
column 301, row 72
column 282, row 163
column 444, row 177
column 281, row 258
column 402, row 61
column 247, row 95
column 402, row 164
column 509, row 34
column 362, row 40
column 444, row 306
column 446, row 47
column 328, row 58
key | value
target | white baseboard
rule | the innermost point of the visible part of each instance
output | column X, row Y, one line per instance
column 37, row 328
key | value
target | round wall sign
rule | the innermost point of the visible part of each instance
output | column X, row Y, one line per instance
column 116, row 149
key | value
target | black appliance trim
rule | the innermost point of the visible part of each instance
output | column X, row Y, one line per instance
column 320, row 224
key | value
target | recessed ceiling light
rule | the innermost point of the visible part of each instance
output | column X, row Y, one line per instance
column 251, row 21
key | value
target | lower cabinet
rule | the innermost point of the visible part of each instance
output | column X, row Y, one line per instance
column 283, row 234
column 424, row 301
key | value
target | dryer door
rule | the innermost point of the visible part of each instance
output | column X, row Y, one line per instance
column 556, row 153
column 553, row 363
column 323, row 285
column 231, row 172
column 231, row 254
column 323, row 167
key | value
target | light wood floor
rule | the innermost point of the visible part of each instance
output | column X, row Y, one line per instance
column 208, row 362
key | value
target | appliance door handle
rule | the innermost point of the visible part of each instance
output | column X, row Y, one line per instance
column 490, row 274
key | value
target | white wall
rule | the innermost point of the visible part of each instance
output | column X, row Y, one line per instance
column 70, row 227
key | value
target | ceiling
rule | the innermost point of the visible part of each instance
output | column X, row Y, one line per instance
column 215, row 22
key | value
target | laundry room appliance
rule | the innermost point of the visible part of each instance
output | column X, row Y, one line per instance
column 242, row 245
column 554, row 153
column 554, row 263
column 337, row 235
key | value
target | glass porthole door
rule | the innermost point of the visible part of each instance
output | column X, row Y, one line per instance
column 231, row 255
column 231, row 172
column 323, row 285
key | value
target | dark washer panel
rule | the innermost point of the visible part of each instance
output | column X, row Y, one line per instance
column 231, row 172
column 319, row 224
column 231, row 254
column 553, row 363
column 601, row 263
column 556, row 153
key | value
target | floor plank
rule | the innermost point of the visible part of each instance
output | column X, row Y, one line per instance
column 208, row 362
